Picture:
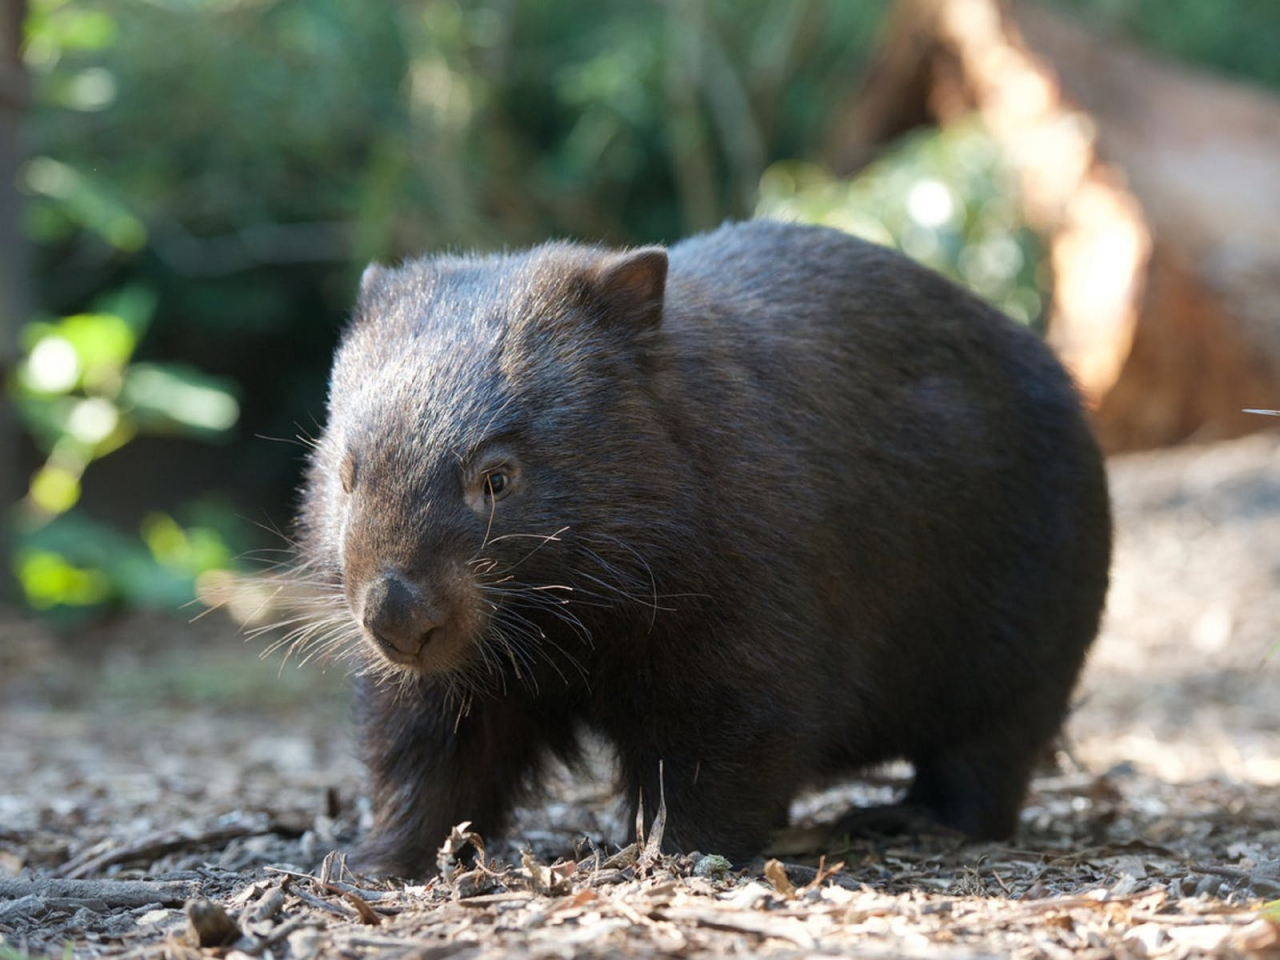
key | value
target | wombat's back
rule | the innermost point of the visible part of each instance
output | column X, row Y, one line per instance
column 910, row 476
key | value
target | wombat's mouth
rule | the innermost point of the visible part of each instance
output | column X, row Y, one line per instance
column 444, row 649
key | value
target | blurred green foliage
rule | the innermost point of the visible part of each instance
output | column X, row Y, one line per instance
column 943, row 197
column 82, row 396
column 207, row 178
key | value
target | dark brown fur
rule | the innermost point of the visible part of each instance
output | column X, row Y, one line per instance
column 794, row 507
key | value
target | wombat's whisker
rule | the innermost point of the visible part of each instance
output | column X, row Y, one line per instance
column 543, row 537
column 510, row 640
column 520, row 632
column 515, row 594
column 483, row 565
column 653, row 583
column 256, row 632
column 543, row 540
column 618, row 591
column 323, row 633
column 342, row 643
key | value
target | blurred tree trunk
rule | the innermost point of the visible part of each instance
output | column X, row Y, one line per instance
column 1155, row 186
column 13, row 262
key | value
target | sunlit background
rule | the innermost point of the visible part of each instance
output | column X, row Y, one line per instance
column 202, row 181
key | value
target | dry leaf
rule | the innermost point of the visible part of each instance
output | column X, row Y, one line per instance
column 208, row 924
column 1262, row 934
column 459, row 839
column 776, row 874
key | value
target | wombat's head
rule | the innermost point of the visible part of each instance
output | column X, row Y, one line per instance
column 491, row 473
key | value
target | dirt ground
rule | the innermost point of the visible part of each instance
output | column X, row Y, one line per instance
column 149, row 766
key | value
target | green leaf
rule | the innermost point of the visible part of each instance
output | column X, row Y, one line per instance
column 943, row 197
column 103, row 342
column 85, row 202
column 135, row 304
column 178, row 398
column 55, row 489
column 189, row 551
column 46, row 418
column 74, row 562
column 49, row 580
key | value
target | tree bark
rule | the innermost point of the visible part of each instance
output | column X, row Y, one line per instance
column 13, row 260
column 1155, row 187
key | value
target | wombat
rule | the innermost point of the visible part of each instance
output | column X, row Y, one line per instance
column 769, row 506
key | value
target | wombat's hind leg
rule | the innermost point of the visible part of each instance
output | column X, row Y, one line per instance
column 975, row 787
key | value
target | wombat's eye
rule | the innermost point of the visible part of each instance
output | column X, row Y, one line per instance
column 347, row 473
column 494, row 479
column 496, row 484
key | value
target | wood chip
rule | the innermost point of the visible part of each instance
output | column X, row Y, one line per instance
column 209, row 925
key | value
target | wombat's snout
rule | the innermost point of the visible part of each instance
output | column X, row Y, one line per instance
column 398, row 617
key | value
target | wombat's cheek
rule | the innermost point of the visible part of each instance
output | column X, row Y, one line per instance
column 422, row 625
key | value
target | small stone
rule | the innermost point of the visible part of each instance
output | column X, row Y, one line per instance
column 1209, row 886
column 712, row 866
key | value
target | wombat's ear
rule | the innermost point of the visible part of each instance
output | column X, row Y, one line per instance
column 371, row 278
column 630, row 286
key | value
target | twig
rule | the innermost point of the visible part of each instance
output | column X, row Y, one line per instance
column 321, row 904
column 1228, row 873
column 651, row 850
column 368, row 915
column 24, row 906
column 122, row 894
column 157, row 845
column 1237, row 915
column 364, row 892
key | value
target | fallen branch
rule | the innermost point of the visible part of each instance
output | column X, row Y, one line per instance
column 115, row 894
column 156, row 845
column 1152, row 184
column 32, row 896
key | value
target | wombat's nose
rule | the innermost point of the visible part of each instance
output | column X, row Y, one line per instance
column 397, row 617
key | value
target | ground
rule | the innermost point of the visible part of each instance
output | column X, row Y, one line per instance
column 145, row 765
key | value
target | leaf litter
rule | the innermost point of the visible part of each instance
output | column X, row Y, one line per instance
column 140, row 819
